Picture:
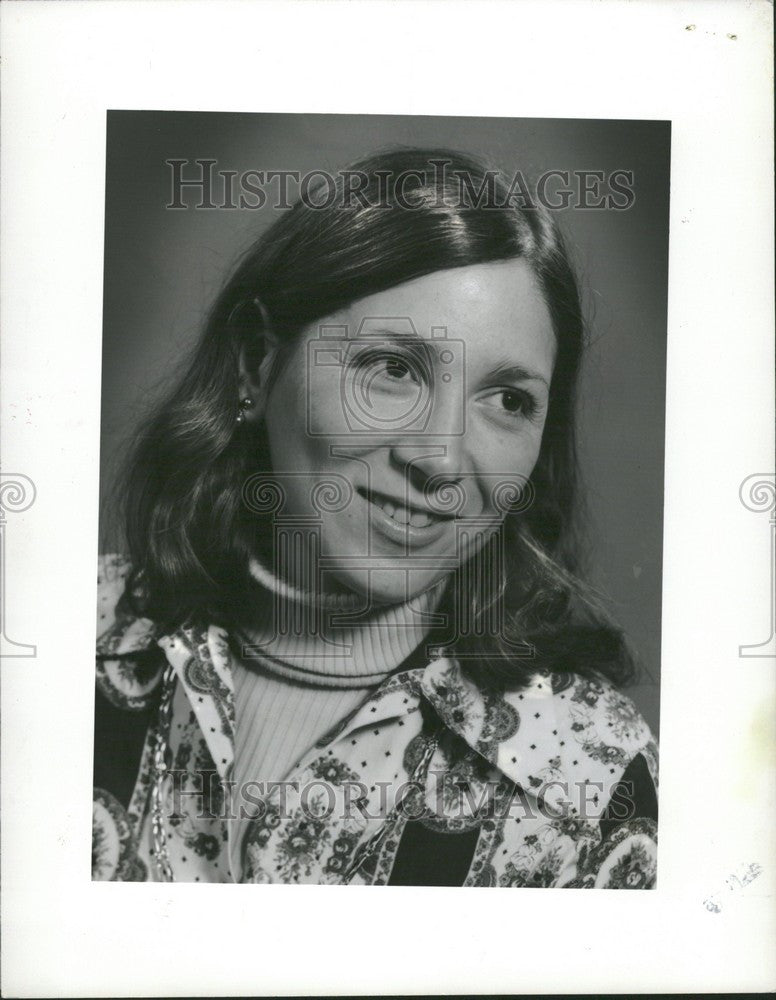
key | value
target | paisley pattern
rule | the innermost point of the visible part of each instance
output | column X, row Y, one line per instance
column 531, row 770
column 129, row 663
column 627, row 860
column 114, row 851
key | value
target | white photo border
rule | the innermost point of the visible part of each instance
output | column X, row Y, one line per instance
column 706, row 67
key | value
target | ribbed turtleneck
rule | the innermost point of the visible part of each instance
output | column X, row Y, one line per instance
column 333, row 640
column 307, row 662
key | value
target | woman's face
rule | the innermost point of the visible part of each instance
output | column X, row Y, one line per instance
column 418, row 403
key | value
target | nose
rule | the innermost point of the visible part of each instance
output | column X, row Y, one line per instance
column 425, row 458
column 438, row 452
column 430, row 469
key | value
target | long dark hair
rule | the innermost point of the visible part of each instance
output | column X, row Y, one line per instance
column 189, row 532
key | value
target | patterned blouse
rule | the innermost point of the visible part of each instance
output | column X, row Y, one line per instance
column 432, row 780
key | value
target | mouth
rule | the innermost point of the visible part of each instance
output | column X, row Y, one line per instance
column 402, row 520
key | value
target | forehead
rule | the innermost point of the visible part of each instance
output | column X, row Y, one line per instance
column 497, row 309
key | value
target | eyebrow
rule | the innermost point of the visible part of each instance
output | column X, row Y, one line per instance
column 505, row 370
column 410, row 336
column 389, row 334
column 518, row 373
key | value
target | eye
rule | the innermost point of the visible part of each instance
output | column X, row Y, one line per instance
column 513, row 404
column 516, row 402
column 397, row 368
column 389, row 369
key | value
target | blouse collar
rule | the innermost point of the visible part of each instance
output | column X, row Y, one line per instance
column 552, row 732
column 487, row 721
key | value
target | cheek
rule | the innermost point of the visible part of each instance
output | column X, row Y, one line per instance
column 300, row 449
column 505, row 454
column 286, row 418
column 306, row 400
column 530, row 456
column 503, row 465
column 282, row 412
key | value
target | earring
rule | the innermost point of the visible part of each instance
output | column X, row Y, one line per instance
column 245, row 404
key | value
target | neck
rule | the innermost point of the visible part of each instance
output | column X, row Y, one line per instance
column 330, row 638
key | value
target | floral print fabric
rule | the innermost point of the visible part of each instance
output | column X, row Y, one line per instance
column 532, row 771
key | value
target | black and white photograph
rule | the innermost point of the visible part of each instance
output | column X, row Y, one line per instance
column 353, row 626
column 387, row 498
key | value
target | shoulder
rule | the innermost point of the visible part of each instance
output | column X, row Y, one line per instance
column 605, row 722
column 557, row 728
column 129, row 661
column 112, row 572
column 581, row 732
column 589, row 761
column 129, row 667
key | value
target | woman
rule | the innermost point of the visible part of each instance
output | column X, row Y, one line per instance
column 349, row 644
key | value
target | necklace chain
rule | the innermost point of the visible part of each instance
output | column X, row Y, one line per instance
column 161, row 767
column 372, row 846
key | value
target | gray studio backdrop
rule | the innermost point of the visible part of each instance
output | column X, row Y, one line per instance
column 163, row 268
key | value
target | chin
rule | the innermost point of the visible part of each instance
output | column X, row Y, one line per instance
column 391, row 584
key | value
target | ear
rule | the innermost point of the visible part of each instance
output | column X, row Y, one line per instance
column 255, row 368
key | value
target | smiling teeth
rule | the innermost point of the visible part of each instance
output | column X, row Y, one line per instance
column 416, row 518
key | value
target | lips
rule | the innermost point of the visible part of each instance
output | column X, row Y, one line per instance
column 403, row 522
column 401, row 513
